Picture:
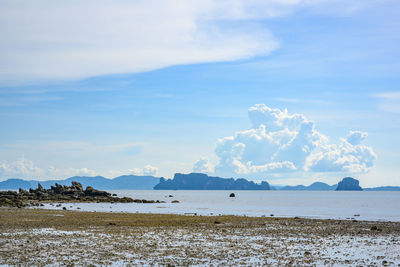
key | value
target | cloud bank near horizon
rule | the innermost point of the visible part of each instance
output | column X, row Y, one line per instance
column 26, row 169
column 281, row 143
column 147, row 170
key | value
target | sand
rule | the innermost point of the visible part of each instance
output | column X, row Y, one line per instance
column 50, row 237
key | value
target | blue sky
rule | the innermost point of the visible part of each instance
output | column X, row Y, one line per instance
column 153, row 88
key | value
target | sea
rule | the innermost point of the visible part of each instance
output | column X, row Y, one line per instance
column 348, row 205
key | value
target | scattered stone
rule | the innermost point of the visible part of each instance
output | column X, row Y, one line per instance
column 375, row 228
column 148, row 201
column 175, row 201
column 64, row 208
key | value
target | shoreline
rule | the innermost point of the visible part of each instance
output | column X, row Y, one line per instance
column 59, row 237
column 58, row 209
column 182, row 209
column 305, row 217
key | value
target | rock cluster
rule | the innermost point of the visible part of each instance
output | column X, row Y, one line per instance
column 59, row 193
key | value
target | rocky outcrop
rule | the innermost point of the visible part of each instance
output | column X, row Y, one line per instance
column 200, row 181
column 59, row 193
column 349, row 184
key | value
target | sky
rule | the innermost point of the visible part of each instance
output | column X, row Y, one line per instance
column 284, row 91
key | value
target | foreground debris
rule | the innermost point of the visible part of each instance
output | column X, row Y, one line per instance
column 59, row 193
column 43, row 237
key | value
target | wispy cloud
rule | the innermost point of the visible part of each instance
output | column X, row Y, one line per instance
column 44, row 40
column 22, row 101
column 389, row 101
column 389, row 95
column 302, row 101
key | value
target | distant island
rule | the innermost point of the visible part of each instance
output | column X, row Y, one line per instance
column 383, row 188
column 201, row 181
column 192, row 181
column 317, row 186
column 349, row 184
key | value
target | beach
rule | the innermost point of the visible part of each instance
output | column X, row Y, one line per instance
column 38, row 237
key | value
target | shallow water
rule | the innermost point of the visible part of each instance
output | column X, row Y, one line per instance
column 375, row 206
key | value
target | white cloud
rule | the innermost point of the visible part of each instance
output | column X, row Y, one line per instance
column 280, row 142
column 47, row 39
column 147, row 170
column 203, row 165
column 343, row 157
column 69, row 172
column 74, row 39
column 24, row 168
column 19, row 168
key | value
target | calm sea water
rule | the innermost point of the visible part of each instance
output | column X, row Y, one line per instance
column 312, row 204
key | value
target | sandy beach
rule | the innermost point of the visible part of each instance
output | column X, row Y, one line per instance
column 43, row 237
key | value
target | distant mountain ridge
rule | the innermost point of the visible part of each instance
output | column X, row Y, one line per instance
column 201, row 181
column 383, row 188
column 317, row 186
column 124, row 182
column 204, row 182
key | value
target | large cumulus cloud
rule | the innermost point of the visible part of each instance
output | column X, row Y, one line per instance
column 280, row 142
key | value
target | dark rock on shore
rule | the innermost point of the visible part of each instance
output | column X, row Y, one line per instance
column 59, row 193
column 349, row 184
column 232, row 195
